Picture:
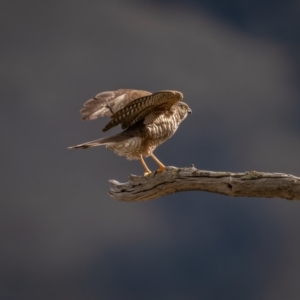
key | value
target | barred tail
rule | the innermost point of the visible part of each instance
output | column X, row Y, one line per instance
column 104, row 141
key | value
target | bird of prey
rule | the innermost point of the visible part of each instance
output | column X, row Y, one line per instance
column 147, row 119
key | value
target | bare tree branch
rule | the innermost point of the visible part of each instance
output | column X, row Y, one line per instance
column 173, row 180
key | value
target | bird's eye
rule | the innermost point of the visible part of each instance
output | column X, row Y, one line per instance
column 183, row 107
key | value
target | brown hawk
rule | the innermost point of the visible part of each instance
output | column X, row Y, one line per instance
column 147, row 119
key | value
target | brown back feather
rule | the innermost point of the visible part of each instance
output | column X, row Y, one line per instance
column 109, row 102
column 140, row 108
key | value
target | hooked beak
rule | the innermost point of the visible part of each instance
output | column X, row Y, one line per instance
column 189, row 111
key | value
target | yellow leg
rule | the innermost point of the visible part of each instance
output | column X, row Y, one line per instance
column 162, row 167
column 144, row 166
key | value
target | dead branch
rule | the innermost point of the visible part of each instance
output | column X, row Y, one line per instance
column 173, row 180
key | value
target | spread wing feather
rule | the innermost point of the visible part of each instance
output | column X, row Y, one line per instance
column 108, row 103
column 140, row 108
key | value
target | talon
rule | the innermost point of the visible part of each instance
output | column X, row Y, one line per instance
column 160, row 170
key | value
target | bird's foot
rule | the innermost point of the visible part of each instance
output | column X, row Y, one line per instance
column 147, row 173
column 161, row 169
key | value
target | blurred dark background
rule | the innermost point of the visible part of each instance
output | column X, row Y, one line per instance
column 62, row 236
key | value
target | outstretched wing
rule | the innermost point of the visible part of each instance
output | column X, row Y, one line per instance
column 108, row 103
column 138, row 109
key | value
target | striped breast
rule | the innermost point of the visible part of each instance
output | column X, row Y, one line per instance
column 164, row 126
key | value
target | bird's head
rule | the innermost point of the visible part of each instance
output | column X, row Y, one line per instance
column 183, row 109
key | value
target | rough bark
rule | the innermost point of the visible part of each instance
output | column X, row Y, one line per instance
column 173, row 180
